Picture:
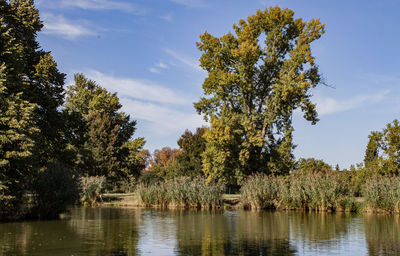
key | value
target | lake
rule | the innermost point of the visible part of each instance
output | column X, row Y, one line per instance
column 133, row 231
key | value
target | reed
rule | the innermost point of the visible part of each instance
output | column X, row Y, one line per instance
column 182, row 192
column 325, row 191
column 382, row 194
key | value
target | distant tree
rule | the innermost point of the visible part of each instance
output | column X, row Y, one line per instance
column 383, row 150
column 256, row 78
column 100, row 134
column 371, row 153
column 192, row 146
column 313, row 165
column 164, row 162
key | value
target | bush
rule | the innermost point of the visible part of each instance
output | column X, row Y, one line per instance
column 382, row 193
column 55, row 189
column 91, row 189
column 181, row 192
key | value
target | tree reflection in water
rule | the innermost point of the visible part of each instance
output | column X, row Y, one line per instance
column 122, row 231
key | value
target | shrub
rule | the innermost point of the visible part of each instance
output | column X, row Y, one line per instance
column 55, row 189
column 382, row 193
column 91, row 189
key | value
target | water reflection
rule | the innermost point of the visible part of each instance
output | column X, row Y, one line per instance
column 113, row 231
column 382, row 234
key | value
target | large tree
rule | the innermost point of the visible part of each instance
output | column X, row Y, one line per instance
column 100, row 134
column 31, row 91
column 257, row 77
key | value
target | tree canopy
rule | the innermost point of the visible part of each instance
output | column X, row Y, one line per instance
column 257, row 77
column 100, row 134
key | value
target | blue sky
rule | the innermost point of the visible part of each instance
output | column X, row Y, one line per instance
column 145, row 51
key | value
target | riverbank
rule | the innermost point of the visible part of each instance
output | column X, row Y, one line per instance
column 230, row 201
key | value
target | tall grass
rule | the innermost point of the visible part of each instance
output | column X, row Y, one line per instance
column 326, row 191
column 182, row 192
column 382, row 194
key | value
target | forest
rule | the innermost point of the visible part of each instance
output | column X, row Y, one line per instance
column 62, row 144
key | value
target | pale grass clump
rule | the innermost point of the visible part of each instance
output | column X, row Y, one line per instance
column 182, row 192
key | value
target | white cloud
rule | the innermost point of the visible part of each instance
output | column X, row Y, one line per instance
column 154, row 70
column 168, row 17
column 161, row 64
column 190, row 3
column 187, row 61
column 138, row 89
column 326, row 106
column 164, row 121
column 59, row 25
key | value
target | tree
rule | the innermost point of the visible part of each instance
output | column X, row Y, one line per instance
column 164, row 162
column 313, row 165
column 100, row 134
column 383, row 150
column 33, row 74
column 256, row 78
column 192, row 146
column 371, row 153
column 17, row 132
column 31, row 91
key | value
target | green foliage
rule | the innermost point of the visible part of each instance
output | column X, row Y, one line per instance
column 164, row 162
column 308, row 191
column 192, row 146
column 55, row 189
column 313, row 165
column 383, row 150
column 149, row 178
column 31, row 92
column 181, row 192
column 91, row 189
column 100, row 134
column 18, row 131
column 256, row 78
column 382, row 194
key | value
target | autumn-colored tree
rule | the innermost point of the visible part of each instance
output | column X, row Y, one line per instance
column 164, row 162
column 256, row 78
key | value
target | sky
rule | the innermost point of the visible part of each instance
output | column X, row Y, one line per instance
column 145, row 51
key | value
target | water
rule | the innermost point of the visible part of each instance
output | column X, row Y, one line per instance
column 129, row 231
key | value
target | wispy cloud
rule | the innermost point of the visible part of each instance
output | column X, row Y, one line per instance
column 326, row 105
column 138, row 89
column 165, row 111
column 157, row 66
column 185, row 60
column 93, row 5
column 59, row 25
column 190, row 3
column 168, row 17
column 164, row 120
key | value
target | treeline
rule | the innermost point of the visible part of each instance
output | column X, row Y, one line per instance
column 53, row 137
